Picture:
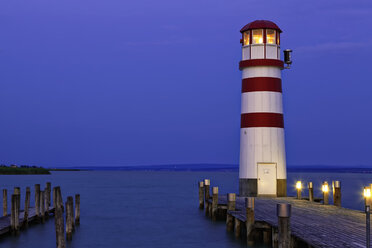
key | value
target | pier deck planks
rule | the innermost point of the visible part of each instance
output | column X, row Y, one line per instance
column 317, row 224
column 5, row 220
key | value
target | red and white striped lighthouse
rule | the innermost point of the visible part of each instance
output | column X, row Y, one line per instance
column 262, row 166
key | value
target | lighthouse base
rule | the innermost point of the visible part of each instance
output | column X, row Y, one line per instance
column 248, row 187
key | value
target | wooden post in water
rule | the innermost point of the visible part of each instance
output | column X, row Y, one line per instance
column 207, row 183
column 42, row 206
column 77, row 209
column 249, row 224
column 27, row 206
column 37, row 200
column 48, row 190
column 283, row 212
column 231, row 203
column 325, row 189
column 14, row 219
column 311, row 191
column 5, row 202
column 337, row 194
column 201, row 195
column 59, row 223
column 237, row 227
column 60, row 200
column 214, row 203
column 17, row 190
column 69, row 218
column 54, row 197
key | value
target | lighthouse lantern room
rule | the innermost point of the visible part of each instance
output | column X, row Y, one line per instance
column 262, row 166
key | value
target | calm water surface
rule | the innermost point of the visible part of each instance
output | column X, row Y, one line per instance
column 150, row 209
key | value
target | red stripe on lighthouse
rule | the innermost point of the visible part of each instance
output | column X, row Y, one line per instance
column 261, row 62
column 261, row 84
column 262, row 120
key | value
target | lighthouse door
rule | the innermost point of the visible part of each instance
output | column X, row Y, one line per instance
column 266, row 179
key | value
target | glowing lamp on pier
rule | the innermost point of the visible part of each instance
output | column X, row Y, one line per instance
column 299, row 187
column 325, row 189
column 367, row 196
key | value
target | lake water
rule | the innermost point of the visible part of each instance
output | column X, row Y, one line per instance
column 151, row 208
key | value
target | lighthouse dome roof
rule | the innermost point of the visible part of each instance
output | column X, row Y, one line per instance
column 260, row 24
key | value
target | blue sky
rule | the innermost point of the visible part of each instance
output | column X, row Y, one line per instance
column 155, row 82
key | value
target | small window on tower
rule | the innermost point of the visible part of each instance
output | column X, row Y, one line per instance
column 270, row 36
column 257, row 36
column 246, row 38
column 278, row 39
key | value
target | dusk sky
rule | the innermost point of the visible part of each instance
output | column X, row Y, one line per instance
column 144, row 82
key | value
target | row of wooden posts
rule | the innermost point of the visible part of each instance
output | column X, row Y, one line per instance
column 336, row 190
column 280, row 237
column 43, row 209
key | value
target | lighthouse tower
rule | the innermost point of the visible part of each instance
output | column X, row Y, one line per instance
column 262, row 166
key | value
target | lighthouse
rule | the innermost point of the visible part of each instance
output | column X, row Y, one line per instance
column 262, row 165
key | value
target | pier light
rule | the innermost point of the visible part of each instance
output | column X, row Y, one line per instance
column 367, row 196
column 298, row 185
column 325, row 187
column 325, row 190
column 367, row 192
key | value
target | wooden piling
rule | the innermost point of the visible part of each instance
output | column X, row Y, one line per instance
column 249, row 223
column 337, row 194
column 60, row 198
column 201, row 195
column 48, row 190
column 5, row 202
column 17, row 190
column 14, row 219
column 283, row 212
column 59, row 223
column 237, row 227
column 54, row 197
column 214, row 203
column 42, row 206
column 69, row 218
column 37, row 200
column 77, row 209
column 27, row 206
column 231, row 203
column 311, row 191
column 325, row 189
column 207, row 195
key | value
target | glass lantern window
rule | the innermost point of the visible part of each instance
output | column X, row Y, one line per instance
column 270, row 36
column 246, row 38
column 257, row 36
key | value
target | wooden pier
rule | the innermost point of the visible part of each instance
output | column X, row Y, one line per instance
column 5, row 227
column 15, row 221
column 311, row 224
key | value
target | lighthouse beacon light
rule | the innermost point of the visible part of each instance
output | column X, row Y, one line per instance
column 262, row 164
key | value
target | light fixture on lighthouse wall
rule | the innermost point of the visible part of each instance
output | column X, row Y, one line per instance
column 288, row 58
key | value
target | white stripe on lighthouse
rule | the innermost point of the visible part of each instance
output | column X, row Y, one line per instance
column 261, row 71
column 261, row 144
column 262, row 101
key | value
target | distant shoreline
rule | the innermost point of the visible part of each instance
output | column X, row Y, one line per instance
column 23, row 171
column 213, row 167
